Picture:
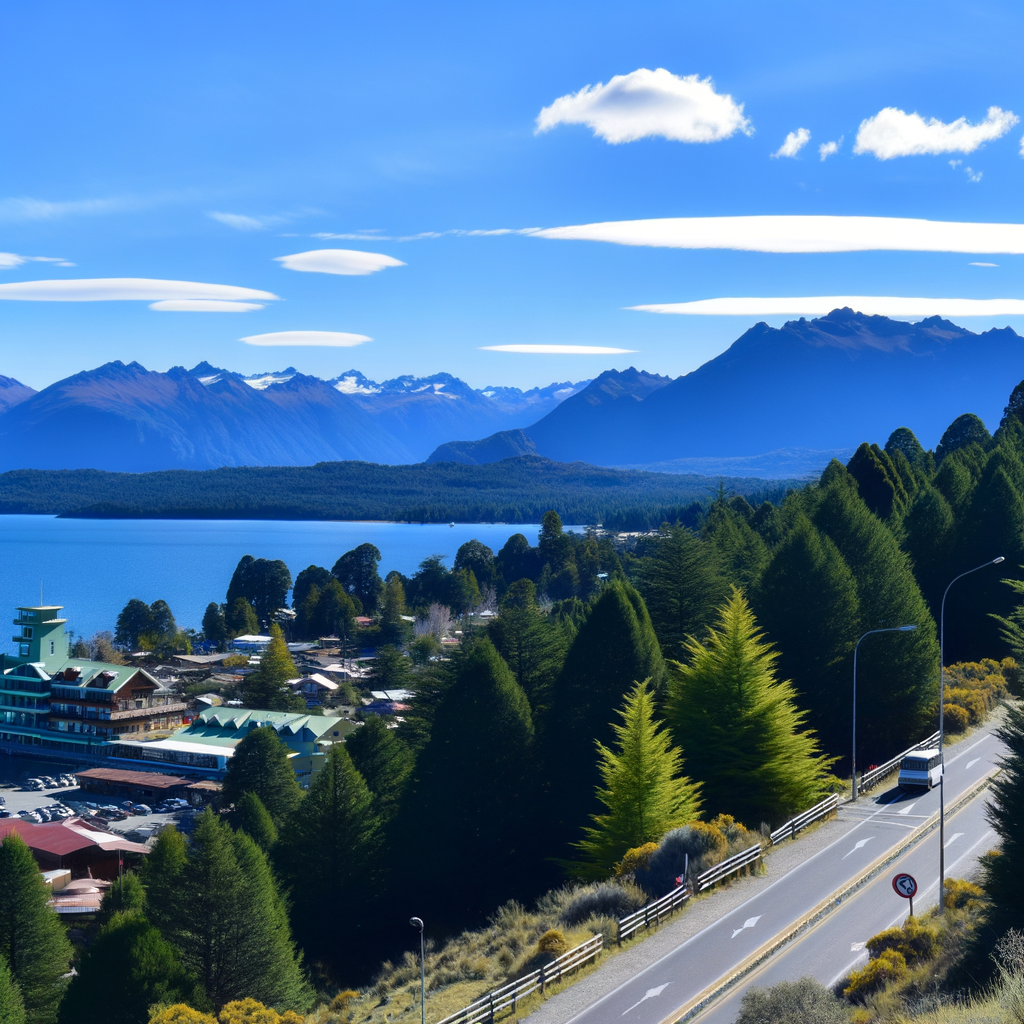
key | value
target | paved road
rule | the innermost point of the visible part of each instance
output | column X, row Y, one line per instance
column 880, row 823
column 835, row 947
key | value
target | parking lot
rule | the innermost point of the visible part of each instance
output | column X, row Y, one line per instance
column 17, row 799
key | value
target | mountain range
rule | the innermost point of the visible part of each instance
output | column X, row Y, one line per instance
column 126, row 418
column 778, row 402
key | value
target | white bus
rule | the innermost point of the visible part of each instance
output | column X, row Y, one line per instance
column 921, row 768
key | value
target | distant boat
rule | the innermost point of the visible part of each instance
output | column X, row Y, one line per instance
column 451, row 524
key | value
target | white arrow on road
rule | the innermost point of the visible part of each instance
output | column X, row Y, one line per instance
column 650, row 994
column 971, row 764
column 952, row 839
column 862, row 842
column 907, row 809
column 749, row 923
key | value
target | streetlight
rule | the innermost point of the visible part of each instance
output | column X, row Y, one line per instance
column 889, row 629
column 942, row 701
column 417, row 922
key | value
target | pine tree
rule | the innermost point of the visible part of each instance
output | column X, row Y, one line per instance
column 928, row 529
column 252, row 818
column 963, row 431
column 123, row 973
column 468, row 794
column 531, row 644
column 12, row 1006
column 878, row 481
column 356, row 571
column 214, row 627
column 383, row 760
column 740, row 725
column 32, row 939
column 264, row 689
column 161, row 878
column 904, row 441
column 260, row 765
column 1004, row 874
column 642, row 789
column 393, row 628
column 897, row 674
column 332, row 845
column 614, row 649
column 682, row 586
column 240, row 619
column 239, row 944
column 741, row 552
column 124, row 895
column 807, row 604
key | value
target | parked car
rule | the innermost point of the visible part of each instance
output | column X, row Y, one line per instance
column 30, row 816
column 68, row 780
column 126, row 804
column 49, row 782
column 5, row 814
column 34, row 784
column 141, row 809
column 3, row 802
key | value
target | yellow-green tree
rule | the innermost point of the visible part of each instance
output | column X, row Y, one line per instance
column 740, row 726
column 643, row 791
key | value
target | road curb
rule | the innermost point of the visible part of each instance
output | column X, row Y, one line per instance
column 822, row 910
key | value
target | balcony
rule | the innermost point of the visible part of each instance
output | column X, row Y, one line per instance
column 153, row 710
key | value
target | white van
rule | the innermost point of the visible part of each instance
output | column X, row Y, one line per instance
column 921, row 768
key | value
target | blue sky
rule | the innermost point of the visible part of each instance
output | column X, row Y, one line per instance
column 198, row 142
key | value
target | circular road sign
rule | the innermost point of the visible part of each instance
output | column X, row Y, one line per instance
column 905, row 886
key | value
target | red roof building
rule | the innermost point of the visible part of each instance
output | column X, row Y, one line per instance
column 84, row 849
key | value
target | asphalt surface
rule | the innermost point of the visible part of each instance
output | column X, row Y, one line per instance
column 835, row 947
column 878, row 824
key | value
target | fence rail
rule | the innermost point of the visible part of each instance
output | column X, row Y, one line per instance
column 489, row 1005
column 653, row 912
column 868, row 779
column 790, row 829
column 728, row 867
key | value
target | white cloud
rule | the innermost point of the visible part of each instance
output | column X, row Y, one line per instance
column 557, row 350
column 9, row 260
column 798, row 233
column 983, row 264
column 238, row 221
column 893, row 132
column 352, row 262
column 827, row 149
column 203, row 306
column 795, row 141
column 973, row 175
column 819, row 305
column 106, row 289
column 42, row 209
column 330, row 339
column 646, row 103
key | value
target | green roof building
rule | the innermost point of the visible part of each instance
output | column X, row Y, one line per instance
column 53, row 702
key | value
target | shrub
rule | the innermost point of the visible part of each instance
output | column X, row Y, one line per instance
column 959, row 894
column 956, row 718
column 552, row 942
column 609, row 899
column 972, row 701
column 637, row 858
column 703, row 845
column 1013, row 675
column 890, row 965
column 915, row 941
column 737, row 836
column 179, row 1013
column 806, row 1001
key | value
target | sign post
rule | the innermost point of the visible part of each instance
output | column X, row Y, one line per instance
column 906, row 886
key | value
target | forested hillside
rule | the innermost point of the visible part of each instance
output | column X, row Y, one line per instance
column 515, row 491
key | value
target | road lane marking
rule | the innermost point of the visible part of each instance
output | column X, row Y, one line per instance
column 649, row 994
column 749, row 923
column 971, row 764
column 856, row 947
column 952, row 839
column 862, row 842
column 908, row 808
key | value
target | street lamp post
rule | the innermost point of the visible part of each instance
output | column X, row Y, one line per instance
column 853, row 759
column 942, row 735
column 417, row 922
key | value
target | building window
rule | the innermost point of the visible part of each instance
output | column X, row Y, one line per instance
column 26, row 632
column 51, row 647
column 23, row 650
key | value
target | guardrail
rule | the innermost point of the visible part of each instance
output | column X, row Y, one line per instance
column 868, row 779
column 654, row 912
column 489, row 1005
column 790, row 829
column 727, row 867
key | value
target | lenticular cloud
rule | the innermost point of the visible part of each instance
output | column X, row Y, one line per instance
column 646, row 103
column 893, row 132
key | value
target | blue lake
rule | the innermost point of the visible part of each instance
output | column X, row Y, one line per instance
column 93, row 566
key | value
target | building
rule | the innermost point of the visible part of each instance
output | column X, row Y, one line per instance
column 53, row 701
column 144, row 787
column 209, row 742
column 314, row 688
column 75, row 845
